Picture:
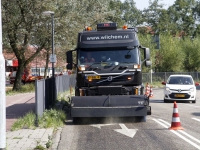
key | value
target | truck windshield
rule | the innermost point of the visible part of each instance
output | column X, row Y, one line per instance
column 115, row 55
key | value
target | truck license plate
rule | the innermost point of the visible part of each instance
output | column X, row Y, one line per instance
column 179, row 95
column 93, row 77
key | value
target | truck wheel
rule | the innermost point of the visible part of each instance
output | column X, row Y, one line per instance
column 194, row 101
column 76, row 120
column 77, row 93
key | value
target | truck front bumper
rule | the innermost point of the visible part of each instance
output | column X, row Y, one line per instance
column 109, row 106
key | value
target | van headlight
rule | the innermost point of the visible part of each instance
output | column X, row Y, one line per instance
column 192, row 89
column 168, row 90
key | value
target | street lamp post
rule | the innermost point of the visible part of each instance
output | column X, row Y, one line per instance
column 53, row 56
column 2, row 93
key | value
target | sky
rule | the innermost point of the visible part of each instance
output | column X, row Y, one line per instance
column 141, row 4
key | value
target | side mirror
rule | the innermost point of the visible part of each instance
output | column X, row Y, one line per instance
column 147, row 54
column 147, row 63
column 69, row 60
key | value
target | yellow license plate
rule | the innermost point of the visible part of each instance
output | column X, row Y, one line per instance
column 179, row 95
column 93, row 77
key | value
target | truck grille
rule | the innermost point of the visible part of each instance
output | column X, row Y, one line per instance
column 115, row 78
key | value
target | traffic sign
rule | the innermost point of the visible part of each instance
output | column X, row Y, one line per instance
column 52, row 58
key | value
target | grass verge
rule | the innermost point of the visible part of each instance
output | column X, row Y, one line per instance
column 50, row 118
column 54, row 117
column 27, row 88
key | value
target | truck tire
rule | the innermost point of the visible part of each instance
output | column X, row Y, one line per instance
column 77, row 120
column 74, row 119
column 194, row 101
column 77, row 93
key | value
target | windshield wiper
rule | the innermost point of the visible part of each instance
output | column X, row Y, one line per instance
column 93, row 64
column 114, row 67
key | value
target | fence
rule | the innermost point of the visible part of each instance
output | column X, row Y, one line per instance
column 163, row 76
column 44, row 97
column 44, row 91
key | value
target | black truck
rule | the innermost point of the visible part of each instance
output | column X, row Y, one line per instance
column 110, row 84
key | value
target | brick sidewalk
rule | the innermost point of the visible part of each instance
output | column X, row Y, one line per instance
column 17, row 106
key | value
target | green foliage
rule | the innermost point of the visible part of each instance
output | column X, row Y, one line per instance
column 24, row 89
column 39, row 147
column 170, row 57
column 26, row 122
column 51, row 118
column 49, row 143
column 191, row 48
column 24, row 25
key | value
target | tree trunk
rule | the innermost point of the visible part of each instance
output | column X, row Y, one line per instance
column 46, row 66
column 18, row 78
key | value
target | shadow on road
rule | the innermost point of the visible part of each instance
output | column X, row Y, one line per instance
column 102, row 120
column 155, row 101
column 19, row 110
column 196, row 114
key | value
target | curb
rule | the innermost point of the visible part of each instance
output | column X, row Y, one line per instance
column 56, row 139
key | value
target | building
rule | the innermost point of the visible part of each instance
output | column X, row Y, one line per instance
column 37, row 66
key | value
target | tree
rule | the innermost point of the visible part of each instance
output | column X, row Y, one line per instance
column 191, row 48
column 130, row 14
column 170, row 57
column 22, row 21
column 183, row 16
column 116, row 6
column 24, row 25
column 156, row 17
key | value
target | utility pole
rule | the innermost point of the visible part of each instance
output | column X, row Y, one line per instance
column 2, row 93
column 53, row 56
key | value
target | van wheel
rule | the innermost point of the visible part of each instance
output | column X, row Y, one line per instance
column 165, row 101
column 194, row 101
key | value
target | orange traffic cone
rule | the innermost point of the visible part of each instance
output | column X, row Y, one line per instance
column 151, row 92
column 147, row 89
column 175, row 125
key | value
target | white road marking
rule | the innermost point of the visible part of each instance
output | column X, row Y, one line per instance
column 196, row 119
column 100, row 125
column 128, row 132
column 163, row 123
column 192, row 105
column 191, row 137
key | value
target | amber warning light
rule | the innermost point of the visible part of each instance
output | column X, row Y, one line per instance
column 107, row 26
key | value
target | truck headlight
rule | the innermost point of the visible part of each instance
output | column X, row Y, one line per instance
column 136, row 66
column 81, row 67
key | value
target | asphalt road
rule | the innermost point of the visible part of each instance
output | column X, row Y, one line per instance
column 129, row 135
